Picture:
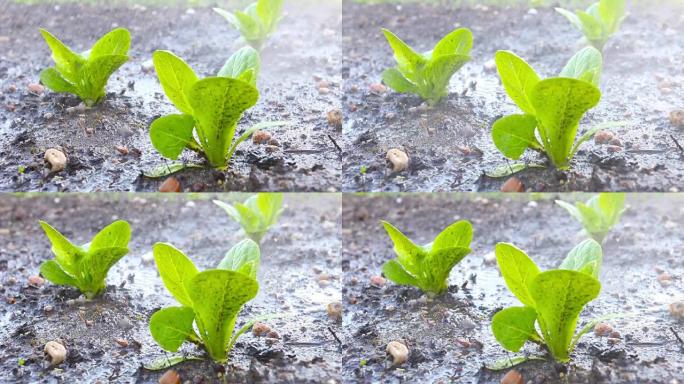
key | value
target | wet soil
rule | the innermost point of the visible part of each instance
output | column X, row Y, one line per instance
column 647, row 240
column 303, row 245
column 304, row 51
column 450, row 145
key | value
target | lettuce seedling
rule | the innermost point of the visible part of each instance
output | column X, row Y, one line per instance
column 599, row 214
column 209, row 301
column 257, row 22
column 552, row 300
column 210, row 108
column 257, row 214
column 85, row 267
column 427, row 75
column 427, row 267
column 85, row 75
column 552, row 108
column 599, row 22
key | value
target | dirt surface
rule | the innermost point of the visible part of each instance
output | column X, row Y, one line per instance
column 303, row 245
column 647, row 240
column 450, row 146
column 305, row 48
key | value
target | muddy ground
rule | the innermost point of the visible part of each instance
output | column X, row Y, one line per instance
column 304, row 51
column 450, row 146
column 647, row 240
column 303, row 245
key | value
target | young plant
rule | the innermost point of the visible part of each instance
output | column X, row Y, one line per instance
column 257, row 215
column 552, row 108
column 599, row 214
column 427, row 75
column 209, row 301
column 85, row 267
column 210, row 108
column 552, row 300
column 428, row 266
column 258, row 21
column 85, row 75
column 599, row 22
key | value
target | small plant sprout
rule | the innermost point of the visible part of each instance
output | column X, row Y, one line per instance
column 210, row 108
column 85, row 75
column 427, row 267
column 257, row 214
column 209, row 301
column 599, row 22
column 427, row 75
column 552, row 108
column 552, row 300
column 599, row 214
column 257, row 22
column 85, row 267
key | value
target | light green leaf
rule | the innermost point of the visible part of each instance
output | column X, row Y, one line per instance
column 269, row 12
column 458, row 234
column 409, row 254
column 458, row 42
column 518, row 79
column 438, row 266
column 560, row 296
column 612, row 13
column 513, row 134
column 171, row 326
column 394, row 79
column 243, row 62
column 116, row 234
column 585, row 257
column 52, row 79
column 96, row 73
column 574, row 20
column 171, row 134
column 585, row 65
column 51, row 270
column 397, row 274
column 167, row 362
column 408, row 60
column 513, row 326
column 176, row 270
column 518, row 270
column 116, row 42
column 176, row 78
column 270, row 205
column 66, row 253
column 215, row 313
column 243, row 257
column 100, row 260
column 218, row 104
column 68, row 62
column 507, row 363
column 592, row 28
column 249, row 27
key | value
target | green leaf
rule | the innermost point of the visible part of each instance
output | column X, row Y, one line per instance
column 249, row 132
column 574, row 20
column 66, row 253
column 52, row 79
column 171, row 134
column 218, row 104
column 68, row 62
column 394, row 79
column 217, row 297
column 459, row 42
column 249, row 219
column 100, row 260
column 560, row 296
column 96, row 73
column 167, row 362
column 243, row 257
column 612, row 206
column 438, row 266
column 518, row 270
column 171, row 326
column 439, row 72
column 572, row 210
column 592, row 28
column 585, row 65
column 513, row 326
column 116, row 42
column 513, row 134
column 506, row 363
column 271, row 206
column 249, row 26
column 586, row 257
column 243, row 64
column 176, row 78
column 176, row 271
column 560, row 103
column 458, row 234
column 230, row 210
column 518, row 78
column 397, row 274
column 269, row 12
column 409, row 254
column 51, row 270
column 169, row 169
column 510, row 169
column 408, row 60
column 116, row 234
column 612, row 13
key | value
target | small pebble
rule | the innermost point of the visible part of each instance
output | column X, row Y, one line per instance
column 677, row 118
column 171, row 184
column 490, row 66
column 56, row 158
column 261, row 137
column 260, row 329
column 56, row 352
column 48, row 308
column 122, row 149
column 603, row 137
column 122, row 342
column 36, row 89
column 398, row 158
column 335, row 118
column 512, row 377
column 36, row 281
column 378, row 88
column 465, row 343
column 602, row 329
column 398, row 351
column 378, row 281
column 147, row 66
column 335, row 310
column 677, row 310
column 513, row 185
column 170, row 377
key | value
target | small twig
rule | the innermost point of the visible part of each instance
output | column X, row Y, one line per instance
column 335, row 336
column 678, row 146
column 677, row 336
column 339, row 149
